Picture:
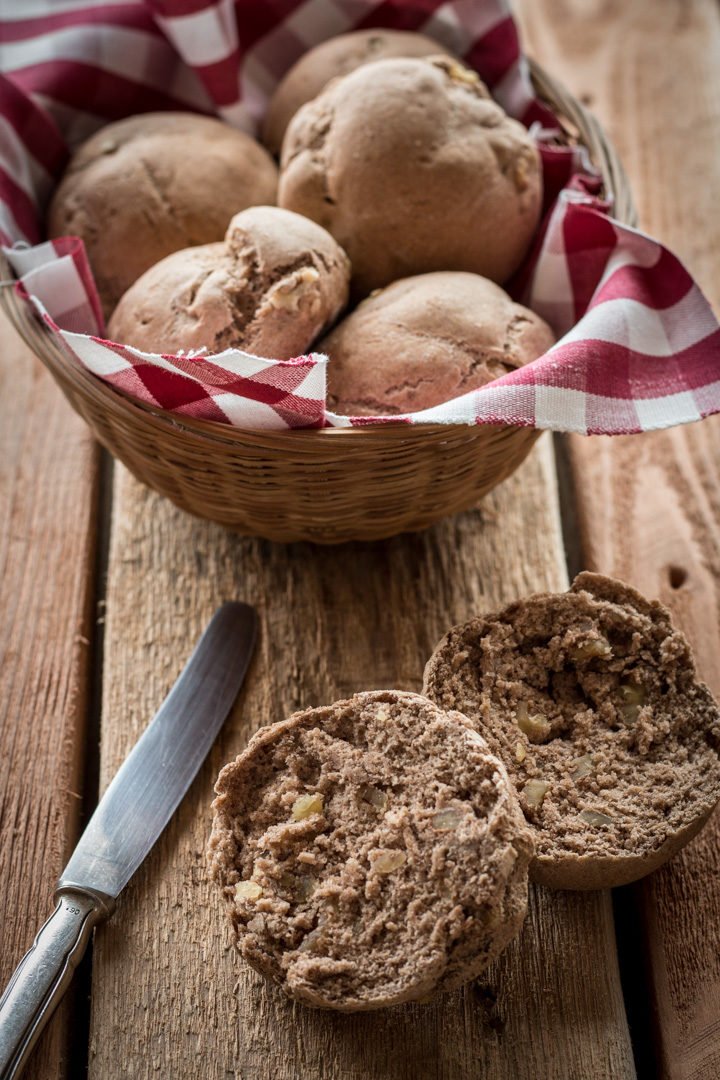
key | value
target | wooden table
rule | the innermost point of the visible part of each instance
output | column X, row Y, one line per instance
column 104, row 586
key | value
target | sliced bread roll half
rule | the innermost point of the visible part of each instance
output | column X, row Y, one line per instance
column 370, row 852
column 591, row 699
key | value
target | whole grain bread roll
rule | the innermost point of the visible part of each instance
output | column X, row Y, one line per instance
column 275, row 283
column 149, row 185
column 426, row 340
column 329, row 60
column 370, row 852
column 413, row 167
column 591, row 699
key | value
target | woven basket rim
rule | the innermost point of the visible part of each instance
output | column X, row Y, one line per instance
column 577, row 123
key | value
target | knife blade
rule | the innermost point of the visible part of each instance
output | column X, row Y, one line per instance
column 130, row 817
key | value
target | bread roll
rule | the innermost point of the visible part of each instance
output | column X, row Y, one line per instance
column 413, row 167
column 335, row 57
column 149, row 185
column 592, row 701
column 425, row 340
column 370, row 852
column 275, row 283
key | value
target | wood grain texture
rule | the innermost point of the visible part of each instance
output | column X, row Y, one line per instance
column 170, row 995
column 649, row 508
column 48, row 474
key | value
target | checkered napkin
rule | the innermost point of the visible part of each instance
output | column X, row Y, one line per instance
column 638, row 346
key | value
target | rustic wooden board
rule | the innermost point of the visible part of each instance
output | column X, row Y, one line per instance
column 649, row 509
column 170, row 996
column 48, row 484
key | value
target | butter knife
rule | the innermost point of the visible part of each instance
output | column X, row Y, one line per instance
column 130, row 817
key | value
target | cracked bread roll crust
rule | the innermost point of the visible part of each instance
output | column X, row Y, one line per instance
column 149, row 185
column 591, row 700
column 329, row 60
column 426, row 340
column 370, row 852
column 412, row 167
column 275, row 283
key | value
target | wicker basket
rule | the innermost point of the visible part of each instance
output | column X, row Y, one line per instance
column 328, row 485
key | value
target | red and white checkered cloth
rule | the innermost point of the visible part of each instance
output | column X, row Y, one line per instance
column 638, row 348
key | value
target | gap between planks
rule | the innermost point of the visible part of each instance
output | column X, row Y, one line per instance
column 79, row 1027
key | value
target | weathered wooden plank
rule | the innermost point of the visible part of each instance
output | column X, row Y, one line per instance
column 170, row 997
column 649, row 508
column 48, row 485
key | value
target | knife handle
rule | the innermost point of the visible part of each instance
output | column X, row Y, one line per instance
column 44, row 973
